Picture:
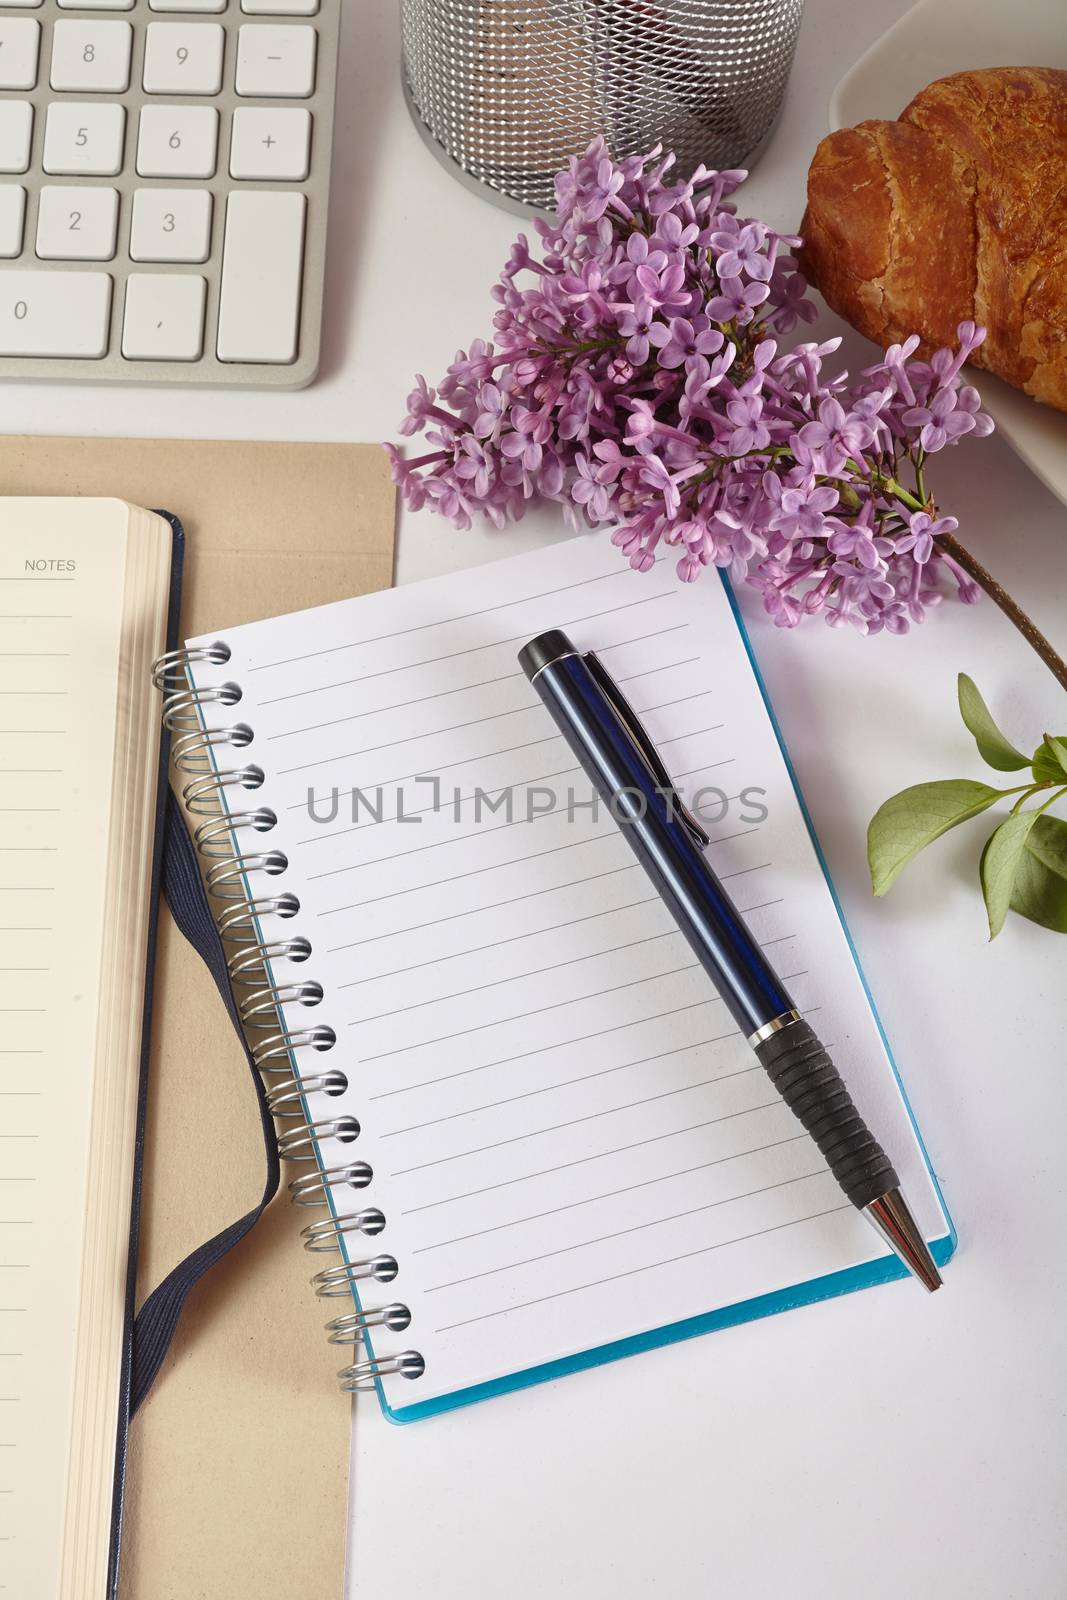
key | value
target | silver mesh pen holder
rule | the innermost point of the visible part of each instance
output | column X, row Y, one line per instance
column 505, row 91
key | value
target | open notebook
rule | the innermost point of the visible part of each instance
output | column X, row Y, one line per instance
column 85, row 589
column 540, row 1140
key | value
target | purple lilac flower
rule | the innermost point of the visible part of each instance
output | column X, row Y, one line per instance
column 741, row 252
column 942, row 421
column 750, row 432
column 587, row 490
column 635, row 324
column 640, row 380
column 922, row 531
column 738, row 301
column 680, row 339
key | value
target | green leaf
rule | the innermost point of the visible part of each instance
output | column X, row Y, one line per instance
column 993, row 747
column 911, row 820
column 1048, row 760
column 1000, row 861
column 1059, row 750
column 1048, row 844
column 1039, row 893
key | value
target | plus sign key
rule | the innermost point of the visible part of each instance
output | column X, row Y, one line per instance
column 270, row 144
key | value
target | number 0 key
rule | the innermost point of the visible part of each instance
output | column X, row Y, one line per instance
column 55, row 314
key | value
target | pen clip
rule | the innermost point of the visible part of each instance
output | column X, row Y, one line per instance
column 638, row 736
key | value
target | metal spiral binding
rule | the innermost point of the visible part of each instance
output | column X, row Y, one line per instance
column 261, row 1001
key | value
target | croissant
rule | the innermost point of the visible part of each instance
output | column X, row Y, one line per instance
column 956, row 211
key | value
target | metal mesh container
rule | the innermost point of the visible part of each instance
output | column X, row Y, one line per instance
column 504, row 91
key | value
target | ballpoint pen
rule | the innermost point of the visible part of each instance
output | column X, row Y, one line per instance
column 624, row 767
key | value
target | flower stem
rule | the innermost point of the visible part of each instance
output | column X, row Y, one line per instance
column 1000, row 596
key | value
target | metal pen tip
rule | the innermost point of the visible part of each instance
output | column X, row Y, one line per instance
column 890, row 1215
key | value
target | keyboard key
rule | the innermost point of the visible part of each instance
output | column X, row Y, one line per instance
column 54, row 313
column 20, row 44
column 183, row 58
column 164, row 319
column 16, row 132
column 280, row 8
column 187, row 5
column 276, row 63
column 259, row 312
column 178, row 142
column 270, row 143
column 91, row 55
column 77, row 224
column 95, row 5
column 12, row 219
column 171, row 225
column 84, row 137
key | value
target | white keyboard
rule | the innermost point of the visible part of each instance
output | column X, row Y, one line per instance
column 164, row 177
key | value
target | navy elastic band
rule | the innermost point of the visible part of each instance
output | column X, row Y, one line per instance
column 157, row 1320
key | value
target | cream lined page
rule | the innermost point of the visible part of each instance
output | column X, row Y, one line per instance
column 61, row 592
column 570, row 1143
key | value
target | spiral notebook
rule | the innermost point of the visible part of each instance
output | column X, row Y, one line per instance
column 523, row 1134
column 86, row 587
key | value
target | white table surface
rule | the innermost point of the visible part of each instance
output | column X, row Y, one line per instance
column 883, row 1444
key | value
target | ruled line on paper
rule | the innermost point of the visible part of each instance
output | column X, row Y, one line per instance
column 399, row 705
column 557, row 849
column 610, row 1194
column 497, row 944
column 622, row 1233
column 560, row 1044
column 520, row 977
column 511, row 900
column 521, row 1016
column 568, row 1083
column 598, row 1155
column 466, row 616
column 474, row 911
column 534, row 706
column 632, row 1272
column 574, row 1122
column 433, row 733
column 558, row 1005
column 430, row 661
column 413, row 738
column 476, row 649
column 444, row 694
column 531, row 972
column 593, row 1116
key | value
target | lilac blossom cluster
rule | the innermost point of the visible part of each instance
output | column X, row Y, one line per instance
column 641, row 382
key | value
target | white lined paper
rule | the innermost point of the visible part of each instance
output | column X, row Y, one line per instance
column 570, row 1143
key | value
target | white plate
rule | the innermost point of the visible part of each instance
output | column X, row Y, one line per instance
column 935, row 38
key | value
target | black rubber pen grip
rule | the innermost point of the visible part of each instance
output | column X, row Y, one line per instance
column 814, row 1091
